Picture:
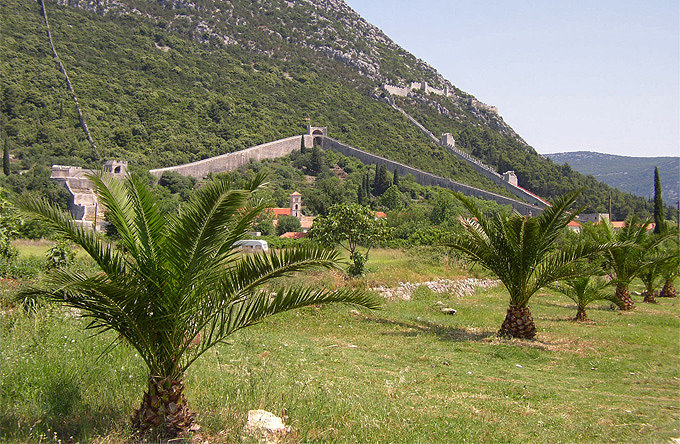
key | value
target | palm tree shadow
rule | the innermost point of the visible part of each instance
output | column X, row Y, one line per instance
column 443, row 332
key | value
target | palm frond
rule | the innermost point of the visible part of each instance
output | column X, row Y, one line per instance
column 101, row 251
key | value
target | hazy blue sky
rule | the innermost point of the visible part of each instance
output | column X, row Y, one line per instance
column 599, row 75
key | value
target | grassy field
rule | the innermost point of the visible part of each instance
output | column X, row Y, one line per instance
column 405, row 373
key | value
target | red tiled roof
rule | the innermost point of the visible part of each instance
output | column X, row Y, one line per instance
column 280, row 211
column 573, row 223
column 293, row 235
column 380, row 214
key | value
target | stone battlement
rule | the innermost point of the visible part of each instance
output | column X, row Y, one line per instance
column 404, row 91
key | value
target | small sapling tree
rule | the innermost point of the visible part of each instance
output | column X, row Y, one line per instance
column 61, row 255
column 350, row 226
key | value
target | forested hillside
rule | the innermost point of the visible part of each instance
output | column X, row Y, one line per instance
column 633, row 175
column 163, row 83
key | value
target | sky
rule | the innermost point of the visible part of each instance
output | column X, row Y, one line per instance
column 594, row 75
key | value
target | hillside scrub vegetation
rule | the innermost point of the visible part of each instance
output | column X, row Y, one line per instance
column 155, row 96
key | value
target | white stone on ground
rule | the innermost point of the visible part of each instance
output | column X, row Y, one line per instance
column 266, row 427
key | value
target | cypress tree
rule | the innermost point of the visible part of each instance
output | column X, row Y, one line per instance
column 361, row 194
column 395, row 178
column 381, row 183
column 302, row 145
column 5, row 157
column 658, row 204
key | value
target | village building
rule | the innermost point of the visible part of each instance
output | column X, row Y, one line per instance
column 295, row 210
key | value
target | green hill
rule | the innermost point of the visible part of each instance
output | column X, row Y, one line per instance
column 633, row 175
column 168, row 82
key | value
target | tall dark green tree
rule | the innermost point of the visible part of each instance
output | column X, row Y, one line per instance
column 361, row 195
column 366, row 183
column 658, row 204
column 303, row 150
column 381, row 183
column 5, row 157
column 395, row 178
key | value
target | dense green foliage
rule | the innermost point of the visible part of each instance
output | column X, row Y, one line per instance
column 418, row 215
column 158, row 108
column 286, row 224
column 627, row 173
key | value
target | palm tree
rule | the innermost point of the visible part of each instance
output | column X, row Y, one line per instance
column 174, row 286
column 629, row 259
column 584, row 290
column 649, row 274
column 671, row 268
column 522, row 252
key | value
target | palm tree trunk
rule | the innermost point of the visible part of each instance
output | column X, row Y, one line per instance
column 164, row 413
column 581, row 314
column 649, row 297
column 668, row 290
column 518, row 323
column 623, row 295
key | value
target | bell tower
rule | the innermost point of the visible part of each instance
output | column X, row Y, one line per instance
column 296, row 205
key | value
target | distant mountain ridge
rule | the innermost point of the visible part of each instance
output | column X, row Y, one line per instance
column 633, row 175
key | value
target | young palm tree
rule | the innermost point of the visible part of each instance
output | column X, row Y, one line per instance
column 174, row 286
column 649, row 275
column 584, row 290
column 671, row 268
column 522, row 252
column 628, row 259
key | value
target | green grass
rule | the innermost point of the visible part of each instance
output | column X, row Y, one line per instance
column 405, row 373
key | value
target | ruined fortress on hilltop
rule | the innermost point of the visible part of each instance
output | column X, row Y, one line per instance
column 404, row 91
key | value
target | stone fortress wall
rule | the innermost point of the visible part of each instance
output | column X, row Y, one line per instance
column 283, row 147
column 507, row 180
column 232, row 161
column 83, row 204
column 84, row 207
column 428, row 179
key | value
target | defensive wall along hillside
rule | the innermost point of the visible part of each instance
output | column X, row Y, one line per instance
column 428, row 179
column 449, row 143
column 232, row 161
column 283, row 147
